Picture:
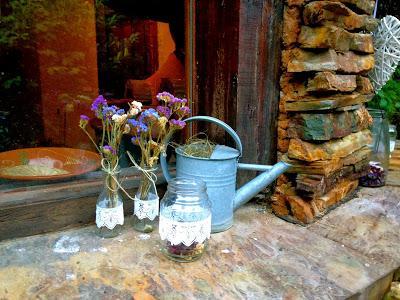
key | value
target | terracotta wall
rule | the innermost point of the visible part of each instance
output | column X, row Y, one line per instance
column 67, row 59
column 322, row 127
column 166, row 44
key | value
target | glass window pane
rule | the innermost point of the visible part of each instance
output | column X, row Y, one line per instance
column 58, row 55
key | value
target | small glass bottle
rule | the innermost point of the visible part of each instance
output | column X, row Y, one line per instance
column 379, row 164
column 146, row 206
column 109, row 208
column 185, row 220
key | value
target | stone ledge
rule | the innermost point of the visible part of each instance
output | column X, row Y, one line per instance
column 260, row 256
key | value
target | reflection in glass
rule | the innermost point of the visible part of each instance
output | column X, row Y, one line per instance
column 57, row 55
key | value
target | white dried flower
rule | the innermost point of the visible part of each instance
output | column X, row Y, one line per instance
column 119, row 118
column 127, row 129
column 134, row 111
column 137, row 105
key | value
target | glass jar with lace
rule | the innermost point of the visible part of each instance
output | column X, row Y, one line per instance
column 109, row 206
column 185, row 219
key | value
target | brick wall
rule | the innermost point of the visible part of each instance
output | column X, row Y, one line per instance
column 323, row 123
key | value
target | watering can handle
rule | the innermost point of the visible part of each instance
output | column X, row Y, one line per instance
column 226, row 127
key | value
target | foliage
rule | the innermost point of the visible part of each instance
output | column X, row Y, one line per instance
column 28, row 18
column 388, row 99
column 116, row 57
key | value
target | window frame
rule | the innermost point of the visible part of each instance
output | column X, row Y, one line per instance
column 23, row 204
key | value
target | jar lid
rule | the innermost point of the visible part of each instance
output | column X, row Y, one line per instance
column 377, row 113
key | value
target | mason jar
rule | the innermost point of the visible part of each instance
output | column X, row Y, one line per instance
column 392, row 137
column 185, row 220
column 379, row 164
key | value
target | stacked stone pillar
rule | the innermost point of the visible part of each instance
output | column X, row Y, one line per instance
column 323, row 124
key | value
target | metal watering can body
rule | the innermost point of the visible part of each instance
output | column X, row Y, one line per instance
column 219, row 174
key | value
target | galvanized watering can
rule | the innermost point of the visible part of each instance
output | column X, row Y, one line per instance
column 219, row 174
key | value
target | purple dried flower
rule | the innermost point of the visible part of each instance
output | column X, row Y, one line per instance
column 109, row 111
column 98, row 104
column 177, row 123
column 176, row 102
column 120, row 112
column 134, row 140
column 164, row 111
column 107, row 149
column 138, row 126
column 165, row 96
column 149, row 115
column 183, row 111
column 84, row 118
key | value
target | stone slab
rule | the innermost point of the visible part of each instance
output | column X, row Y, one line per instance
column 291, row 26
column 336, row 13
column 324, row 127
column 260, row 257
column 300, row 60
column 325, row 37
column 299, row 85
column 365, row 6
column 327, row 167
column 330, row 82
column 325, row 103
column 364, row 85
column 311, row 186
column 338, row 148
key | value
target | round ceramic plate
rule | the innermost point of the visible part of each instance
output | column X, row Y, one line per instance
column 47, row 163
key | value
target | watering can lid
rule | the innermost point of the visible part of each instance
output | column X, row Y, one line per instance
column 224, row 152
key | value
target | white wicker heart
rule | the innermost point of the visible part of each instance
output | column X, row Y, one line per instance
column 387, row 51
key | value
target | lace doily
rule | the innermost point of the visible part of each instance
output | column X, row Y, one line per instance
column 109, row 217
column 146, row 209
column 387, row 51
column 185, row 232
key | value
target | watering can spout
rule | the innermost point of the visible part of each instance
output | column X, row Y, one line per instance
column 256, row 185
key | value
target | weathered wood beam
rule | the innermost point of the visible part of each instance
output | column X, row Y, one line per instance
column 216, row 60
column 327, row 13
column 333, row 37
column 260, row 31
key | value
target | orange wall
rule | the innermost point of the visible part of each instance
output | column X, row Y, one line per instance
column 166, row 44
column 68, row 70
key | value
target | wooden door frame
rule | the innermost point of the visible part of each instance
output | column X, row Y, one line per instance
column 241, row 85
